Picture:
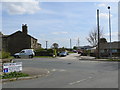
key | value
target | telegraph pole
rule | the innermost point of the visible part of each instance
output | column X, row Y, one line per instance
column 78, row 42
column 46, row 44
column 110, row 32
column 98, row 27
column 70, row 44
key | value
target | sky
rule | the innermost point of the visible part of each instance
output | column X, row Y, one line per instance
column 58, row 22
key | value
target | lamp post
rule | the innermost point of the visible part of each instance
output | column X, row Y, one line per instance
column 110, row 33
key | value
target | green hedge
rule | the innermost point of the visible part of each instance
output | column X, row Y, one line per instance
column 4, row 55
column 43, row 52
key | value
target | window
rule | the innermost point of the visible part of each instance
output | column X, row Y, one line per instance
column 22, row 52
column 114, row 51
column 102, row 51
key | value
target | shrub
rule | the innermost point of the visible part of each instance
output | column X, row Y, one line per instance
column 4, row 54
column 44, row 52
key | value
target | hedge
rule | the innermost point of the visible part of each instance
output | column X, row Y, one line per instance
column 48, row 52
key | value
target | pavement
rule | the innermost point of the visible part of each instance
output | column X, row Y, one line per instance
column 75, row 56
column 89, row 58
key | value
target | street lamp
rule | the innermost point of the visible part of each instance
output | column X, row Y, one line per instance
column 110, row 32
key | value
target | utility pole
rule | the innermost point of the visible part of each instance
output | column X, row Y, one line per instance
column 78, row 42
column 70, row 44
column 110, row 33
column 98, row 27
column 46, row 44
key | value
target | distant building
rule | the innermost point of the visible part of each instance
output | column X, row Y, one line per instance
column 19, row 40
column 83, row 47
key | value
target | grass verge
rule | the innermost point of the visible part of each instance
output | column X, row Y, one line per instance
column 13, row 75
column 113, row 59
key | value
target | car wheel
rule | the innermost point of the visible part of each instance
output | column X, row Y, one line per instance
column 30, row 56
column 16, row 56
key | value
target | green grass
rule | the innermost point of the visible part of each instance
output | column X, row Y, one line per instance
column 43, row 56
column 70, row 52
column 13, row 75
column 114, row 59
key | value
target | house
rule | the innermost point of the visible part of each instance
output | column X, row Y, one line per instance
column 83, row 47
column 105, row 48
column 19, row 40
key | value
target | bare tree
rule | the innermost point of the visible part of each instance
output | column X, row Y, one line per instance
column 93, row 36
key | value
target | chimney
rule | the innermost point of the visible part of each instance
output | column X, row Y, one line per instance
column 24, row 28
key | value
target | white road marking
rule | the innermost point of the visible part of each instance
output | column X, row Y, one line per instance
column 89, row 61
column 53, row 70
column 80, row 81
column 62, row 70
column 59, row 70
column 77, row 82
column 90, row 77
column 48, row 72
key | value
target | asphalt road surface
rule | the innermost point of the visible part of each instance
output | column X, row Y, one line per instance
column 69, row 72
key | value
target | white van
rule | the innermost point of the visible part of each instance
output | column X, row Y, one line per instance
column 24, row 53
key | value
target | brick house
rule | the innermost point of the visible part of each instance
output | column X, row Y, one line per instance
column 19, row 40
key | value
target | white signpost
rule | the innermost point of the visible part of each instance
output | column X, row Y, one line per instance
column 12, row 67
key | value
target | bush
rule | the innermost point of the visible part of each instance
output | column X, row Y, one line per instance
column 44, row 52
column 4, row 55
column 40, row 49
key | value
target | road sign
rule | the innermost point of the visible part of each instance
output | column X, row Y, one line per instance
column 12, row 67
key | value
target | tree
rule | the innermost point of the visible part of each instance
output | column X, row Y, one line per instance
column 55, row 49
column 93, row 36
column 103, row 40
column 55, row 45
column 75, row 47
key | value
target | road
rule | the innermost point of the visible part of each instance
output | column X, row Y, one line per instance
column 69, row 72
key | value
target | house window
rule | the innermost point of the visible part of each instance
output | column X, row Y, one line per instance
column 114, row 51
column 118, row 50
column 102, row 51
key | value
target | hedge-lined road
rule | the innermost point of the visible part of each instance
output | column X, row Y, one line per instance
column 70, row 72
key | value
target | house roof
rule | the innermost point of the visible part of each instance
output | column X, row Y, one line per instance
column 16, row 33
column 114, row 45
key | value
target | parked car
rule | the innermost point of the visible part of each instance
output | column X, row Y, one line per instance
column 25, row 52
column 75, row 51
column 63, row 54
column 79, row 52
